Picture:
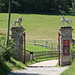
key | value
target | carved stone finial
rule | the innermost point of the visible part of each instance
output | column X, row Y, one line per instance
column 18, row 21
column 65, row 20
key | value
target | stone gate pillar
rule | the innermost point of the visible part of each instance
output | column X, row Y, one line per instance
column 65, row 38
column 17, row 35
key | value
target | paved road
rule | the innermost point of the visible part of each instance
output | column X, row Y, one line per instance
column 41, row 68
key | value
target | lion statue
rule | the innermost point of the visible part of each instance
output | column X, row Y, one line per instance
column 18, row 21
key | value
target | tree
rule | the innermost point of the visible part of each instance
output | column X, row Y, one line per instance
column 3, row 6
column 39, row 6
column 73, row 5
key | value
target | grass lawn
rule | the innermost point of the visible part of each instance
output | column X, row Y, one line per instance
column 7, row 66
column 70, row 70
column 38, row 27
column 34, row 48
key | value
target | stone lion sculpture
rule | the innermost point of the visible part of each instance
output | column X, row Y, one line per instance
column 18, row 21
column 65, row 20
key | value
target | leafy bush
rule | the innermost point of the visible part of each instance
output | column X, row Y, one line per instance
column 72, row 47
column 5, row 51
column 73, row 50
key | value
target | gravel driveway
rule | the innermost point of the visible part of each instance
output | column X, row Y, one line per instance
column 41, row 68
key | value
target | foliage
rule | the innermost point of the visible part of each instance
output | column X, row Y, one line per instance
column 73, row 5
column 4, row 69
column 5, row 51
column 72, row 47
column 12, row 64
column 35, row 6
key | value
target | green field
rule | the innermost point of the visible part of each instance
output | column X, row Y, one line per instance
column 38, row 26
column 34, row 48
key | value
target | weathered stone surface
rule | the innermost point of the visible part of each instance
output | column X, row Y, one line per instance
column 66, row 34
column 17, row 35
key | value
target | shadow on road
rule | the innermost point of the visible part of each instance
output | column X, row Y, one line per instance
column 22, row 74
column 40, row 66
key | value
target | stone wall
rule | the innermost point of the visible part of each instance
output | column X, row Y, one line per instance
column 17, row 35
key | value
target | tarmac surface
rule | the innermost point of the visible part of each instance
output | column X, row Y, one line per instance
column 41, row 68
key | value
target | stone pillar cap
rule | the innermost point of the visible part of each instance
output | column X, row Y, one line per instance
column 65, row 28
column 17, row 28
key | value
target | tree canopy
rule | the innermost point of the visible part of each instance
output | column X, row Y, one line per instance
column 36, row 6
